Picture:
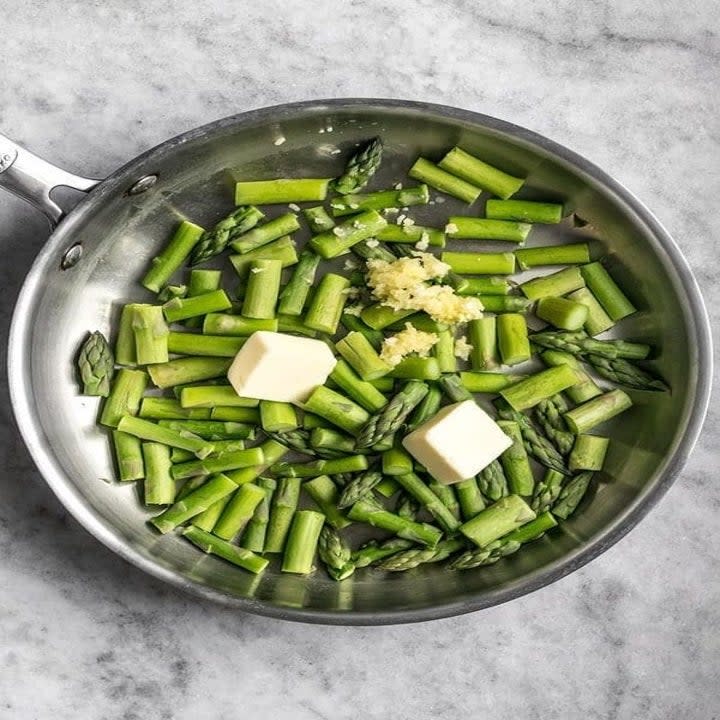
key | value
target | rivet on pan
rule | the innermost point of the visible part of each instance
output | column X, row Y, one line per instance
column 143, row 184
column 71, row 257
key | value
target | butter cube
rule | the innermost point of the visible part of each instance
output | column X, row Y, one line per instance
column 457, row 443
column 275, row 366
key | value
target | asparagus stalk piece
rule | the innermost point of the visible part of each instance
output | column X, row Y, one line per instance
column 333, row 466
column 438, row 178
column 300, row 440
column 598, row 320
column 125, row 341
column 266, row 233
column 353, row 203
column 392, row 416
column 358, row 488
column 462, row 227
column 487, row 382
column 562, row 313
column 159, row 484
column 492, row 481
column 188, row 370
column 277, row 417
column 239, row 511
column 412, row 234
column 295, row 293
column 318, row 219
column 324, row 494
column 185, row 343
column 413, row 557
column 335, row 554
column 553, row 255
column 353, row 323
column 161, row 408
column 372, row 251
column 578, row 343
column 407, row 506
column 96, row 365
column 468, row 263
column 360, row 167
column 329, row 439
column 502, row 517
column 444, row 351
column 302, row 542
column 262, row 290
column 216, row 488
column 207, row 519
column 213, row 242
column 249, row 457
column 272, row 450
column 604, row 288
column 379, row 316
column 426, row 408
column 126, row 393
column 588, row 453
column 201, row 282
column 536, row 444
column 547, row 491
column 129, row 457
column 416, row 368
column 282, row 249
column 571, row 495
column 373, row 552
column 282, row 509
column 146, row 430
column 211, row 429
column 483, row 338
column 447, row 496
column 556, row 284
column 294, row 325
column 470, row 498
column 338, row 409
column 367, row 510
column 413, row 485
column 585, row 388
column 173, row 256
column 231, row 553
column 598, row 410
column 327, row 304
column 358, row 390
column 524, row 211
column 512, row 339
column 453, row 387
column 342, row 237
column 504, row 303
column 254, row 536
column 281, row 191
column 211, row 396
column 387, row 487
column 623, row 372
column 549, row 416
column 220, row 324
column 515, row 461
column 479, row 173
column 222, row 447
column 360, row 354
column 182, row 308
column 538, row 387
column 484, row 286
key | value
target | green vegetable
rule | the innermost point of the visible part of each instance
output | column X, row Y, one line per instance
column 239, row 511
column 218, row 324
column 342, row 237
column 529, row 392
column 353, row 323
column 436, row 177
column 125, row 342
column 552, row 255
column 492, row 481
column 562, row 313
column 556, row 284
column 623, row 372
column 373, row 552
column 318, row 219
column 213, row 242
column 598, row 321
column 129, row 457
column 412, row 558
column 578, row 343
column 327, row 304
column 294, row 295
column 412, row 234
column 502, row 517
column 162, row 408
column 173, row 256
column 96, row 365
column 231, row 553
column 470, row 498
column 482, row 335
column 254, row 536
column 453, row 387
column 359, row 487
column 483, row 229
column 282, row 509
column 210, row 396
column 249, row 457
column 547, row 491
column 479, row 173
column 585, row 387
column 331, row 466
column 487, row 382
column 335, row 554
column 484, row 286
column 182, row 371
column 266, row 233
column 515, row 461
column 504, row 303
column 182, row 308
column 608, row 294
column 126, row 393
column 524, row 211
column 413, row 367
column 338, row 409
column 281, row 190
column 588, row 453
column 324, row 493
column 262, row 290
column 185, row 343
column 480, row 263
column 302, row 542
column 159, row 484
column 282, row 250
column 277, row 417
column 360, row 167
column 549, row 416
column 363, row 393
column 596, row 411
column 571, row 495
column 360, row 354
column 512, row 339
column 444, row 351
column 351, row 204
column 146, row 430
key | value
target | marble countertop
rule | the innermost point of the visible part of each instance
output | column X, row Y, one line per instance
column 635, row 634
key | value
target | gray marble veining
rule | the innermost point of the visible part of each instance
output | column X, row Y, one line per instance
column 636, row 634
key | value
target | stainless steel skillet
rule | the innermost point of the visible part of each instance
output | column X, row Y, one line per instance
column 95, row 254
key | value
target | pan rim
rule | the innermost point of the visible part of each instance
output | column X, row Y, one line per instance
column 21, row 396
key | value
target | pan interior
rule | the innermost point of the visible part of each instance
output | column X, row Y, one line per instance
column 120, row 233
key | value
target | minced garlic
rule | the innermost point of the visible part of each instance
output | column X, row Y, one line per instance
column 403, row 285
column 463, row 348
column 407, row 341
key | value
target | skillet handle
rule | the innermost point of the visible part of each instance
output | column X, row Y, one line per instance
column 33, row 179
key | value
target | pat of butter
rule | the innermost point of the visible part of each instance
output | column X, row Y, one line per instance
column 275, row 366
column 457, row 443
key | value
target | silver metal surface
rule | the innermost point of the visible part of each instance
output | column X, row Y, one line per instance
column 143, row 185
column 33, row 179
column 120, row 233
